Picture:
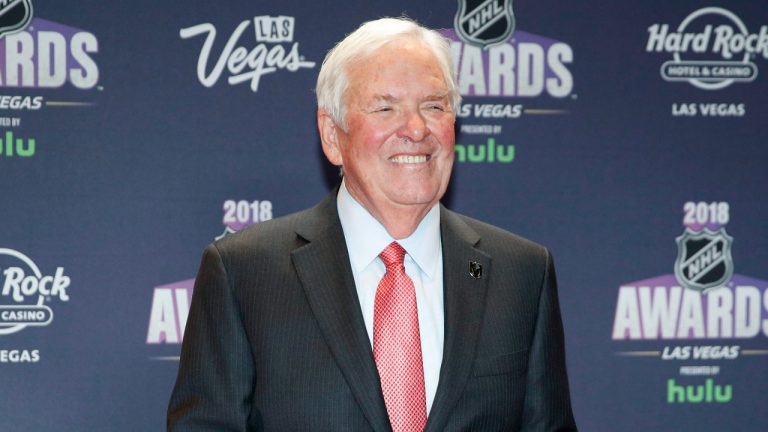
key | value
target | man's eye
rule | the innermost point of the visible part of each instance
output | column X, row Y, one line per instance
column 436, row 108
column 382, row 109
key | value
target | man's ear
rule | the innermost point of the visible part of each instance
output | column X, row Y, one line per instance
column 329, row 136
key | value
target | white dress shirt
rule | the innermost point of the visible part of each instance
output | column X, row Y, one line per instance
column 366, row 238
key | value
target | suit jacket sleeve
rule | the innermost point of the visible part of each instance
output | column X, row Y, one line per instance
column 216, row 374
column 547, row 399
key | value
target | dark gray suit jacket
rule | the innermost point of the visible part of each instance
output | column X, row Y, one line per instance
column 275, row 339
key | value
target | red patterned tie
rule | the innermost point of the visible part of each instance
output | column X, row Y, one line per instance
column 397, row 345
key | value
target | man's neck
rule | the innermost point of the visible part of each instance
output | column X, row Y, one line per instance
column 400, row 221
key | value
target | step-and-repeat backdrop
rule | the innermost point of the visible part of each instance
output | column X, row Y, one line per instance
column 628, row 138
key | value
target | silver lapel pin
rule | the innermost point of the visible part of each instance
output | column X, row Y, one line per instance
column 475, row 269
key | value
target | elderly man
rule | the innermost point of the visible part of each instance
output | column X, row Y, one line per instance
column 378, row 309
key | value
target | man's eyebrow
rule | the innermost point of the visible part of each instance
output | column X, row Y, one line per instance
column 437, row 96
column 391, row 99
column 385, row 98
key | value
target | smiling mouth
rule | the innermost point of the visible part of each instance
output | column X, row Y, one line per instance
column 410, row 159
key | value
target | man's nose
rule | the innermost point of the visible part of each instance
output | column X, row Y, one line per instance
column 414, row 127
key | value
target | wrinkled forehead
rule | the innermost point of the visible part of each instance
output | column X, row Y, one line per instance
column 395, row 51
column 394, row 55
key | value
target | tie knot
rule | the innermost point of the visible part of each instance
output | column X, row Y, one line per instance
column 393, row 255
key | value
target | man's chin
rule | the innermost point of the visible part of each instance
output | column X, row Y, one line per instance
column 416, row 199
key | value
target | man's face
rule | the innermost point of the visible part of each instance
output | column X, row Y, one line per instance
column 397, row 150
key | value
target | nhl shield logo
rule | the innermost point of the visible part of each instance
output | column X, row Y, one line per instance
column 14, row 15
column 484, row 22
column 704, row 259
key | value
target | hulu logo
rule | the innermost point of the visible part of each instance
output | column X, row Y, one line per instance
column 10, row 147
column 489, row 152
column 708, row 392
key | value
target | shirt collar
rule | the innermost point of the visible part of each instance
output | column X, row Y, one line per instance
column 366, row 237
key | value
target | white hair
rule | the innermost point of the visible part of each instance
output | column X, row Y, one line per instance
column 333, row 80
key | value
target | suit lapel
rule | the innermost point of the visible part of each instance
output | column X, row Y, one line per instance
column 464, row 308
column 325, row 273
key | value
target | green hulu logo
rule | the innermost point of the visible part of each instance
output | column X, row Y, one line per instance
column 10, row 147
column 489, row 152
column 708, row 392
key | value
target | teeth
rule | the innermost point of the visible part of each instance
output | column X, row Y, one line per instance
column 409, row 159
